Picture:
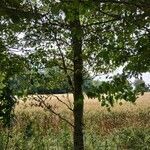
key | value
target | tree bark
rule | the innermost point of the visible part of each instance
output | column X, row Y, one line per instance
column 76, row 32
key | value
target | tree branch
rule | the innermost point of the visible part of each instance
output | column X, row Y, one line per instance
column 125, row 2
column 108, row 14
column 64, row 65
column 103, row 22
column 63, row 102
column 49, row 108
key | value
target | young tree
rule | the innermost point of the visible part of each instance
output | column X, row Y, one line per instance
column 10, row 66
column 99, row 35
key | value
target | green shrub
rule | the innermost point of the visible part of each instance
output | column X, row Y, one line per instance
column 133, row 138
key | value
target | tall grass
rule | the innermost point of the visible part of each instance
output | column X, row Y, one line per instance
column 125, row 127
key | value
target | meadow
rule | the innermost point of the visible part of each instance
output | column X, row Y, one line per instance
column 35, row 127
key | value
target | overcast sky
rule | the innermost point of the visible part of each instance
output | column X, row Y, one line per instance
column 145, row 76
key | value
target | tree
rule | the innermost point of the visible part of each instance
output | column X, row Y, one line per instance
column 140, row 85
column 99, row 35
column 10, row 66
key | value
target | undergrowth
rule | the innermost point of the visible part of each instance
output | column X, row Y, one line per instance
column 102, row 131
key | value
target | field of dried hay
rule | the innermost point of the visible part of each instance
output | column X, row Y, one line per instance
column 62, row 101
column 34, row 127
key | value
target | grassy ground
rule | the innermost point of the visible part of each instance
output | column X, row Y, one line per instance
column 35, row 128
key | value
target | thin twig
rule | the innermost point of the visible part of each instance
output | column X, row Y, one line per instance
column 64, row 65
column 63, row 102
column 100, row 22
column 49, row 108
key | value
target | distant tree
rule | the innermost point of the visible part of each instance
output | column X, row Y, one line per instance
column 140, row 85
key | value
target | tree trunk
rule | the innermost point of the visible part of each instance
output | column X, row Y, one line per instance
column 78, row 95
column 76, row 32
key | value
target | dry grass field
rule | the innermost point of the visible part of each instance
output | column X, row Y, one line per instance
column 126, row 126
column 127, row 114
column 90, row 105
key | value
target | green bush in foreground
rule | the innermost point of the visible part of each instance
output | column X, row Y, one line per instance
column 133, row 138
column 128, row 138
column 110, row 131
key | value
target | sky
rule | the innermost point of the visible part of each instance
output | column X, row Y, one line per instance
column 145, row 76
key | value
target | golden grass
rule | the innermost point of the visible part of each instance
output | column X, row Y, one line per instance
column 96, row 117
column 90, row 105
